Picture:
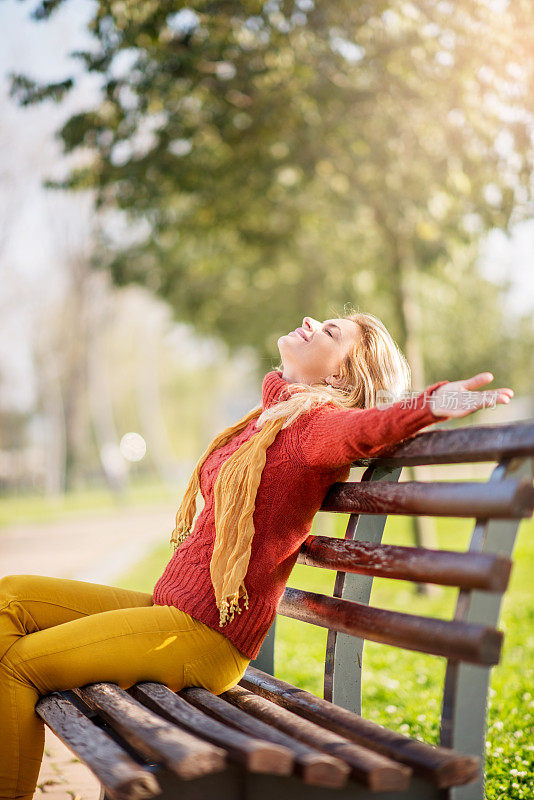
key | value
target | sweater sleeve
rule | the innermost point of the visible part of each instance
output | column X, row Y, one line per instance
column 335, row 437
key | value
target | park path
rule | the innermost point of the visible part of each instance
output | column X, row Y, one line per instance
column 97, row 547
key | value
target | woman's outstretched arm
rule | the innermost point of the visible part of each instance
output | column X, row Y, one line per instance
column 336, row 437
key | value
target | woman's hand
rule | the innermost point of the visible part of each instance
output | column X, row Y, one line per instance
column 456, row 399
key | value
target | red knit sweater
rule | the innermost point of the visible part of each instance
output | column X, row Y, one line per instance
column 302, row 463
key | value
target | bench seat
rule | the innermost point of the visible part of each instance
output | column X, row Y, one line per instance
column 134, row 739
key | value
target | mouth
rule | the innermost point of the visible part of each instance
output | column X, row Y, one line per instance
column 300, row 332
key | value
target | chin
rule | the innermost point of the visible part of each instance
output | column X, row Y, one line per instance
column 282, row 342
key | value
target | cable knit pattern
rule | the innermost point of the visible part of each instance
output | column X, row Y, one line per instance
column 302, row 463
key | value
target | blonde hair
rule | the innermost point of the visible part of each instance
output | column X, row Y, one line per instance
column 374, row 363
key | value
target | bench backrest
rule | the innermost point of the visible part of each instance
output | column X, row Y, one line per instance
column 470, row 641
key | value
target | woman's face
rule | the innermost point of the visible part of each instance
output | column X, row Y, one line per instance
column 314, row 352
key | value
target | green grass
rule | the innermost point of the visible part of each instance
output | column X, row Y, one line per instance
column 402, row 689
column 29, row 507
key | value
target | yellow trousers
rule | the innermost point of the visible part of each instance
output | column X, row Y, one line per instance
column 59, row 634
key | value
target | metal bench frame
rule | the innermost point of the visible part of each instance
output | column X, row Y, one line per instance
column 501, row 504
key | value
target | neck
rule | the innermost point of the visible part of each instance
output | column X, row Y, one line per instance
column 291, row 377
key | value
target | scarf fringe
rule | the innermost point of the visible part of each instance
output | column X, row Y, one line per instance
column 230, row 605
column 178, row 535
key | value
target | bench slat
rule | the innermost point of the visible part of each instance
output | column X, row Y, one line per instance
column 185, row 755
column 446, row 567
column 508, row 499
column 476, row 644
column 254, row 754
column 441, row 766
column 370, row 768
column 311, row 765
column 122, row 778
column 461, row 445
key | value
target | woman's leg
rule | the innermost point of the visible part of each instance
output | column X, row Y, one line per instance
column 122, row 646
column 30, row 603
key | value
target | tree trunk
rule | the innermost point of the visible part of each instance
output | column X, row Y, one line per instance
column 113, row 464
column 50, row 403
column 159, row 447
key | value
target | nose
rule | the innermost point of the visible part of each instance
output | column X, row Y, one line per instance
column 309, row 323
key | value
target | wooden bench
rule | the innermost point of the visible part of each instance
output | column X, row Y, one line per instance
column 268, row 739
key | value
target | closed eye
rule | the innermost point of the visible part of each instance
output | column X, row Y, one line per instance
column 329, row 332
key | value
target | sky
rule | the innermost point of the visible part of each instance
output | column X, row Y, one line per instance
column 29, row 152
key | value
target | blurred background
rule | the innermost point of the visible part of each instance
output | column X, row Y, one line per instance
column 182, row 183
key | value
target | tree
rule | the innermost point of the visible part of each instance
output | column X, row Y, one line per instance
column 277, row 149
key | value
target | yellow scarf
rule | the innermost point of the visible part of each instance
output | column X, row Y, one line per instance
column 235, row 498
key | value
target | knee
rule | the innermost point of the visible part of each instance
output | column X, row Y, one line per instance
column 13, row 586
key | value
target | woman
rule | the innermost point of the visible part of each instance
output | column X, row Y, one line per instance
column 263, row 479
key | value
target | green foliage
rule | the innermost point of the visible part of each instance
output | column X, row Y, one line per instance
column 289, row 156
column 28, row 92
